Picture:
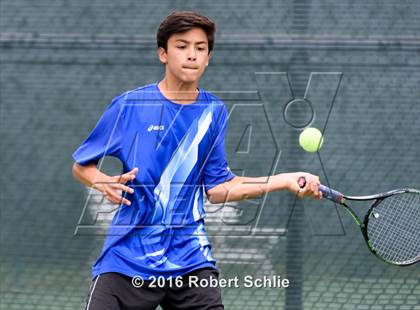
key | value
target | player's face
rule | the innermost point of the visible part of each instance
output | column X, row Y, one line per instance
column 187, row 55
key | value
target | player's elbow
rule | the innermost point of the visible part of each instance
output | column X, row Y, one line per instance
column 217, row 194
column 214, row 200
column 212, row 195
column 223, row 192
column 74, row 170
column 77, row 170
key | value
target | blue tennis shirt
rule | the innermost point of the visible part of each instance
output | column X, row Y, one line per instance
column 179, row 150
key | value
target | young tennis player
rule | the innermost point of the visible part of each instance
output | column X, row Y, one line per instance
column 169, row 137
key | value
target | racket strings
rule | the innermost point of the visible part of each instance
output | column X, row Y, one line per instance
column 394, row 238
column 394, row 228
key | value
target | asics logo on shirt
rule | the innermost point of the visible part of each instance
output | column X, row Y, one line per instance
column 156, row 127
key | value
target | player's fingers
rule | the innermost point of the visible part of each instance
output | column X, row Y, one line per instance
column 124, row 188
column 114, row 194
column 298, row 189
column 125, row 201
column 115, row 198
column 317, row 192
column 316, row 183
column 310, row 187
column 133, row 172
column 304, row 188
column 119, row 201
column 315, row 187
column 129, row 176
column 111, row 195
column 303, row 192
column 111, row 199
column 301, row 181
column 99, row 187
column 320, row 195
column 124, row 178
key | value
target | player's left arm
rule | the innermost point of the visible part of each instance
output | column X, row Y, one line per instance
column 240, row 188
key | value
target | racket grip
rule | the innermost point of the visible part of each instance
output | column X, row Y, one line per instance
column 331, row 194
column 327, row 192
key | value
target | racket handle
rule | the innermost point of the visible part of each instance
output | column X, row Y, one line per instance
column 327, row 192
column 331, row 194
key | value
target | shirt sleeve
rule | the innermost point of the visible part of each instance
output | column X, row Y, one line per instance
column 216, row 169
column 105, row 138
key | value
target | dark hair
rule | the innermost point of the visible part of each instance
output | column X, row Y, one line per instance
column 181, row 21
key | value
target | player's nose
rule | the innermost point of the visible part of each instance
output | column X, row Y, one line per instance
column 192, row 58
column 192, row 54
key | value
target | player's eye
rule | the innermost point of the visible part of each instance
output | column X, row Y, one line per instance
column 181, row 46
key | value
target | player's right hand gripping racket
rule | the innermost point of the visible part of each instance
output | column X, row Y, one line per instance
column 391, row 226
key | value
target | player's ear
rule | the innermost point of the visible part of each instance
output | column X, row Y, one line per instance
column 209, row 57
column 163, row 57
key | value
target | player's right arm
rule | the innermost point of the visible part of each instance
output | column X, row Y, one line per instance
column 240, row 188
column 109, row 186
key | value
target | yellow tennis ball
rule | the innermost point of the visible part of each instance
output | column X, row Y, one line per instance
column 311, row 139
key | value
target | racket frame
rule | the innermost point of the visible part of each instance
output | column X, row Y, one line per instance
column 341, row 199
column 363, row 225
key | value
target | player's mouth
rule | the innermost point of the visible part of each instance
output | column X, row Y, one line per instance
column 190, row 68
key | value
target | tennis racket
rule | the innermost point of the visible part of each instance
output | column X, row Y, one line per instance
column 391, row 227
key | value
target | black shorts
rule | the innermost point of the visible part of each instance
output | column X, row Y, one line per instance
column 115, row 291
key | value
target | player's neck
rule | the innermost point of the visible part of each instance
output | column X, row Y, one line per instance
column 178, row 91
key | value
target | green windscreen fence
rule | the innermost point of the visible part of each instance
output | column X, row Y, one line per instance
column 349, row 68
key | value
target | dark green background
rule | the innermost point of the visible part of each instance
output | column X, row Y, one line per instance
column 63, row 61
